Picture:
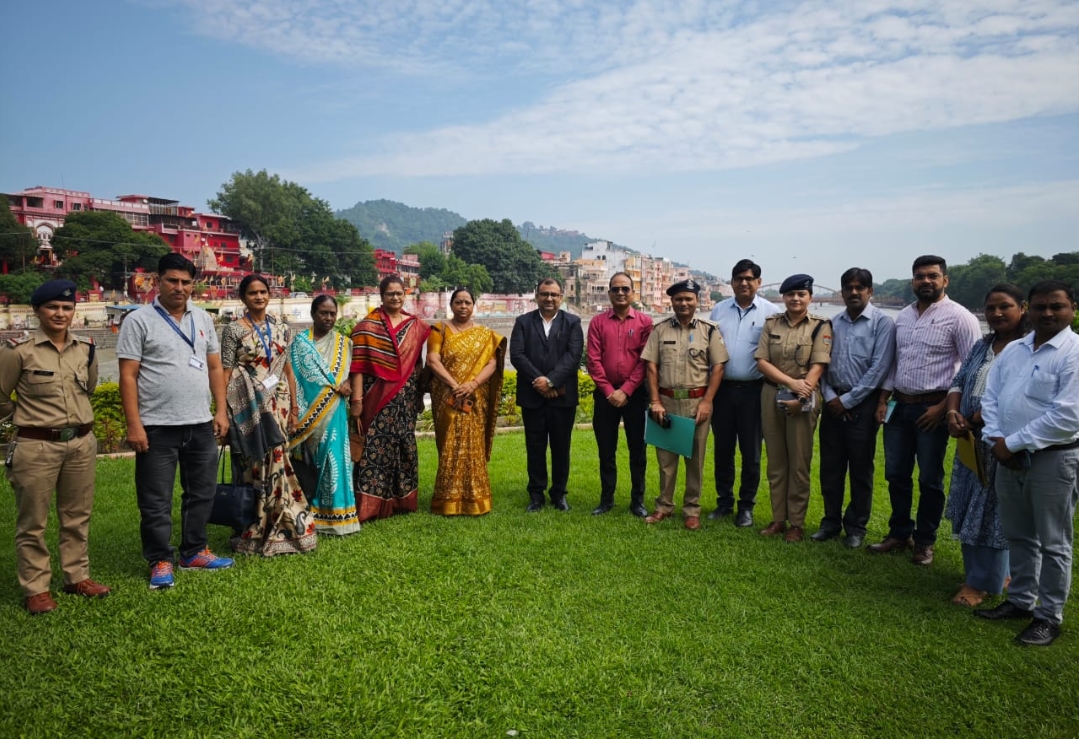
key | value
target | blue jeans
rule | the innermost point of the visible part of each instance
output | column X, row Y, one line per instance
column 194, row 449
column 903, row 444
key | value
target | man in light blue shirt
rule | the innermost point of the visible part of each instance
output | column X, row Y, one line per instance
column 1031, row 414
column 736, row 416
column 863, row 348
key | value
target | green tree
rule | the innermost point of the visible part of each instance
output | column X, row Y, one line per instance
column 968, row 283
column 17, row 243
column 293, row 232
column 432, row 260
column 102, row 245
column 512, row 263
column 18, row 287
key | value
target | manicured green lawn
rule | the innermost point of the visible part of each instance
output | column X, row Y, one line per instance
column 547, row 625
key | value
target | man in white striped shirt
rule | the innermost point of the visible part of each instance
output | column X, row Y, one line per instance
column 933, row 335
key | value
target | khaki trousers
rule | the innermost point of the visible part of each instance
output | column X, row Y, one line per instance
column 668, row 462
column 37, row 469
column 789, row 441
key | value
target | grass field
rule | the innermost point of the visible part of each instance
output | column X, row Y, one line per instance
column 545, row 625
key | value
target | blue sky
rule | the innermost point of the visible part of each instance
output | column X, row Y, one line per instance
column 811, row 136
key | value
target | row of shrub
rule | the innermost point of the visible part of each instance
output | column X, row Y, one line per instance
column 110, row 427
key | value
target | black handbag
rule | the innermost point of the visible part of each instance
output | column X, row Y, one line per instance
column 235, row 504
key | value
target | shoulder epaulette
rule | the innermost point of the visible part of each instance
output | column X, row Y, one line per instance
column 15, row 341
column 91, row 347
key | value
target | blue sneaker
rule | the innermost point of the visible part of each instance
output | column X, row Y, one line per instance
column 205, row 560
column 161, row 575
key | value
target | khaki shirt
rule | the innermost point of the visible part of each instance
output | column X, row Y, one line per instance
column 792, row 349
column 52, row 388
column 685, row 356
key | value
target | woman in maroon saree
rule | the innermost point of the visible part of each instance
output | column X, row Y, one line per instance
column 387, row 349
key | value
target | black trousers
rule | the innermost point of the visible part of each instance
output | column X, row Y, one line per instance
column 547, row 426
column 605, row 422
column 736, row 420
column 848, row 446
column 194, row 450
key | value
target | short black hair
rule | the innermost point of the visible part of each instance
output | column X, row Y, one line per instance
column 319, row 300
column 456, row 291
column 172, row 260
column 548, row 281
column 930, row 260
column 861, row 274
column 743, row 265
column 1051, row 286
column 246, row 283
column 389, row 280
column 621, row 274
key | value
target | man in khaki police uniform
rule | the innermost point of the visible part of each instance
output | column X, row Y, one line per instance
column 684, row 360
column 53, row 374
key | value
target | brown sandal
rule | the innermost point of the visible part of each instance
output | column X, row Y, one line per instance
column 969, row 597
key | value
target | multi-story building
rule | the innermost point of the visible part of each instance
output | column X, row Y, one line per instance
column 406, row 266
column 209, row 240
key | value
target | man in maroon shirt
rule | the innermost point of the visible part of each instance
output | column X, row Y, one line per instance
column 616, row 339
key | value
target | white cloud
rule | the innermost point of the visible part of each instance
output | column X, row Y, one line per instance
column 669, row 85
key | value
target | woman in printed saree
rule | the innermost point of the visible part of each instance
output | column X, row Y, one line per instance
column 387, row 347
column 466, row 361
column 320, row 359
column 972, row 507
column 254, row 353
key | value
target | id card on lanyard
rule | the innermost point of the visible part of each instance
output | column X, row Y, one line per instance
column 267, row 346
column 194, row 362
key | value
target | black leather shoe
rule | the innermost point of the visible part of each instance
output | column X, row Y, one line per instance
column 1040, row 633
column 823, row 534
column 638, row 510
column 534, row 507
column 1006, row 610
column 744, row 519
column 602, row 508
column 561, row 504
column 854, row 541
column 719, row 513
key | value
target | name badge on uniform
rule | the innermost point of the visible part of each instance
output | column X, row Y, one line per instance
column 196, row 363
column 270, row 382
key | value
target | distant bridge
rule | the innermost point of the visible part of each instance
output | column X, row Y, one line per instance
column 827, row 295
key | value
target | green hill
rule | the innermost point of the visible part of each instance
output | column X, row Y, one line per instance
column 391, row 225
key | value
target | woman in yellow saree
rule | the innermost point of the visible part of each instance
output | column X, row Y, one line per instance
column 467, row 362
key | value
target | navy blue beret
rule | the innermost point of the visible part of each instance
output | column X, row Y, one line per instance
column 54, row 290
column 796, row 282
column 685, row 286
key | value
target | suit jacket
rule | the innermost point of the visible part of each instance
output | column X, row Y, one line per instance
column 556, row 357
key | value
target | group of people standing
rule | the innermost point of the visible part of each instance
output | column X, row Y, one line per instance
column 323, row 425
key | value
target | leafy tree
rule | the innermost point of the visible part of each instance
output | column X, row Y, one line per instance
column 968, row 283
column 293, row 232
column 473, row 276
column 100, row 244
column 432, row 260
column 896, row 289
column 17, row 288
column 514, row 266
column 17, row 242
column 1020, row 263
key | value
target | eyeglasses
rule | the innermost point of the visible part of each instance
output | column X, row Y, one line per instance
column 737, row 280
column 550, row 295
column 620, row 289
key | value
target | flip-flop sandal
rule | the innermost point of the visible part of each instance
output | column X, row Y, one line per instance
column 969, row 597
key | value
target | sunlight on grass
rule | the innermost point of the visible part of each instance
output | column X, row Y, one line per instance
column 550, row 625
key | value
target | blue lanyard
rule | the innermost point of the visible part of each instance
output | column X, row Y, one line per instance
column 267, row 340
column 189, row 340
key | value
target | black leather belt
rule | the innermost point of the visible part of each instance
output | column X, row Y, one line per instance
column 1060, row 447
column 741, row 383
column 71, row 432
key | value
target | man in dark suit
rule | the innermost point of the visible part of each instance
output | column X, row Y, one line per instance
column 545, row 349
